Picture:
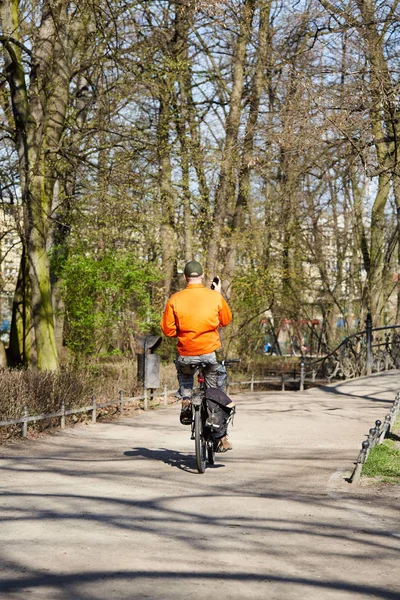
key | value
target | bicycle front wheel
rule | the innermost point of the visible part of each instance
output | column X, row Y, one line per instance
column 200, row 443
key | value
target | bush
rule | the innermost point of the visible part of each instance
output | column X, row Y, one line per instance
column 41, row 392
column 107, row 301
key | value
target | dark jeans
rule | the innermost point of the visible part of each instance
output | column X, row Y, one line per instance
column 186, row 367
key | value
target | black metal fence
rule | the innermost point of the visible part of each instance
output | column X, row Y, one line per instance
column 363, row 353
column 375, row 436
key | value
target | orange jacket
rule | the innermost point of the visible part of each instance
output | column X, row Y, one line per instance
column 193, row 315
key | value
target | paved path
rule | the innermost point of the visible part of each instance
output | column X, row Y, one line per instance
column 117, row 510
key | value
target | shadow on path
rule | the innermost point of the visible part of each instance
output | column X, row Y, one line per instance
column 67, row 582
column 335, row 390
column 182, row 461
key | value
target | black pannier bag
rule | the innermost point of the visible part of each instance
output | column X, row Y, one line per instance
column 220, row 409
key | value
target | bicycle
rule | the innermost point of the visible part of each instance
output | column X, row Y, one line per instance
column 204, row 427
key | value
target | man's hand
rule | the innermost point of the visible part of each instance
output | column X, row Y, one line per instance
column 216, row 284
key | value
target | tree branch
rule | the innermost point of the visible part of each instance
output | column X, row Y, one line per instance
column 6, row 40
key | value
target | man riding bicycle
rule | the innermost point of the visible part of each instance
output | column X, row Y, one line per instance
column 194, row 316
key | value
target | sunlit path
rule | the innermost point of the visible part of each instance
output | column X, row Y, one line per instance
column 118, row 511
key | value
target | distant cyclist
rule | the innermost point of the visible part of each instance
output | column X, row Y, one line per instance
column 194, row 316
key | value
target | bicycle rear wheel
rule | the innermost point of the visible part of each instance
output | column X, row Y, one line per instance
column 199, row 441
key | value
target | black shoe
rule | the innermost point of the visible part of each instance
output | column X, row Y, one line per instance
column 186, row 413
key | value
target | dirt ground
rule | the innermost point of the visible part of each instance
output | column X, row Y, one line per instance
column 117, row 510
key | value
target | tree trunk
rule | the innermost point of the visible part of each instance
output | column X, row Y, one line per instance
column 183, row 22
column 246, row 163
column 167, row 229
column 227, row 182
column 39, row 122
column 20, row 349
column 383, row 114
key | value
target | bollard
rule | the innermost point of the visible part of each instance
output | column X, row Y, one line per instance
column 145, row 399
column 62, row 423
column 252, row 383
column 121, row 402
column 372, row 437
column 364, row 451
column 94, row 410
column 356, row 473
column 25, row 422
column 385, row 428
column 283, row 382
column 362, row 457
column 165, row 396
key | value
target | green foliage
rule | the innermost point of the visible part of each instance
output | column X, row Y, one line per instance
column 253, row 290
column 107, row 300
column 253, row 293
column 167, row 350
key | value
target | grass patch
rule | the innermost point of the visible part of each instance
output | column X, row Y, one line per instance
column 384, row 462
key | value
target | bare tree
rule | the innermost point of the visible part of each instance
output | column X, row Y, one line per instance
column 374, row 21
column 226, row 179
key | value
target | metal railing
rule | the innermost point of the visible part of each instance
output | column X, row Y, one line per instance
column 375, row 436
column 363, row 353
column 63, row 412
column 122, row 400
column 282, row 377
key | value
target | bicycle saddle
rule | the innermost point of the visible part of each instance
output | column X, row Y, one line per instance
column 198, row 365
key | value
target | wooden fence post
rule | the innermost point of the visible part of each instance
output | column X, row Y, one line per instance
column 94, row 410
column 25, row 422
column 302, row 375
column 165, row 396
column 62, row 424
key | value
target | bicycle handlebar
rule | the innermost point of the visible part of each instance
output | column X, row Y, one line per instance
column 230, row 361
